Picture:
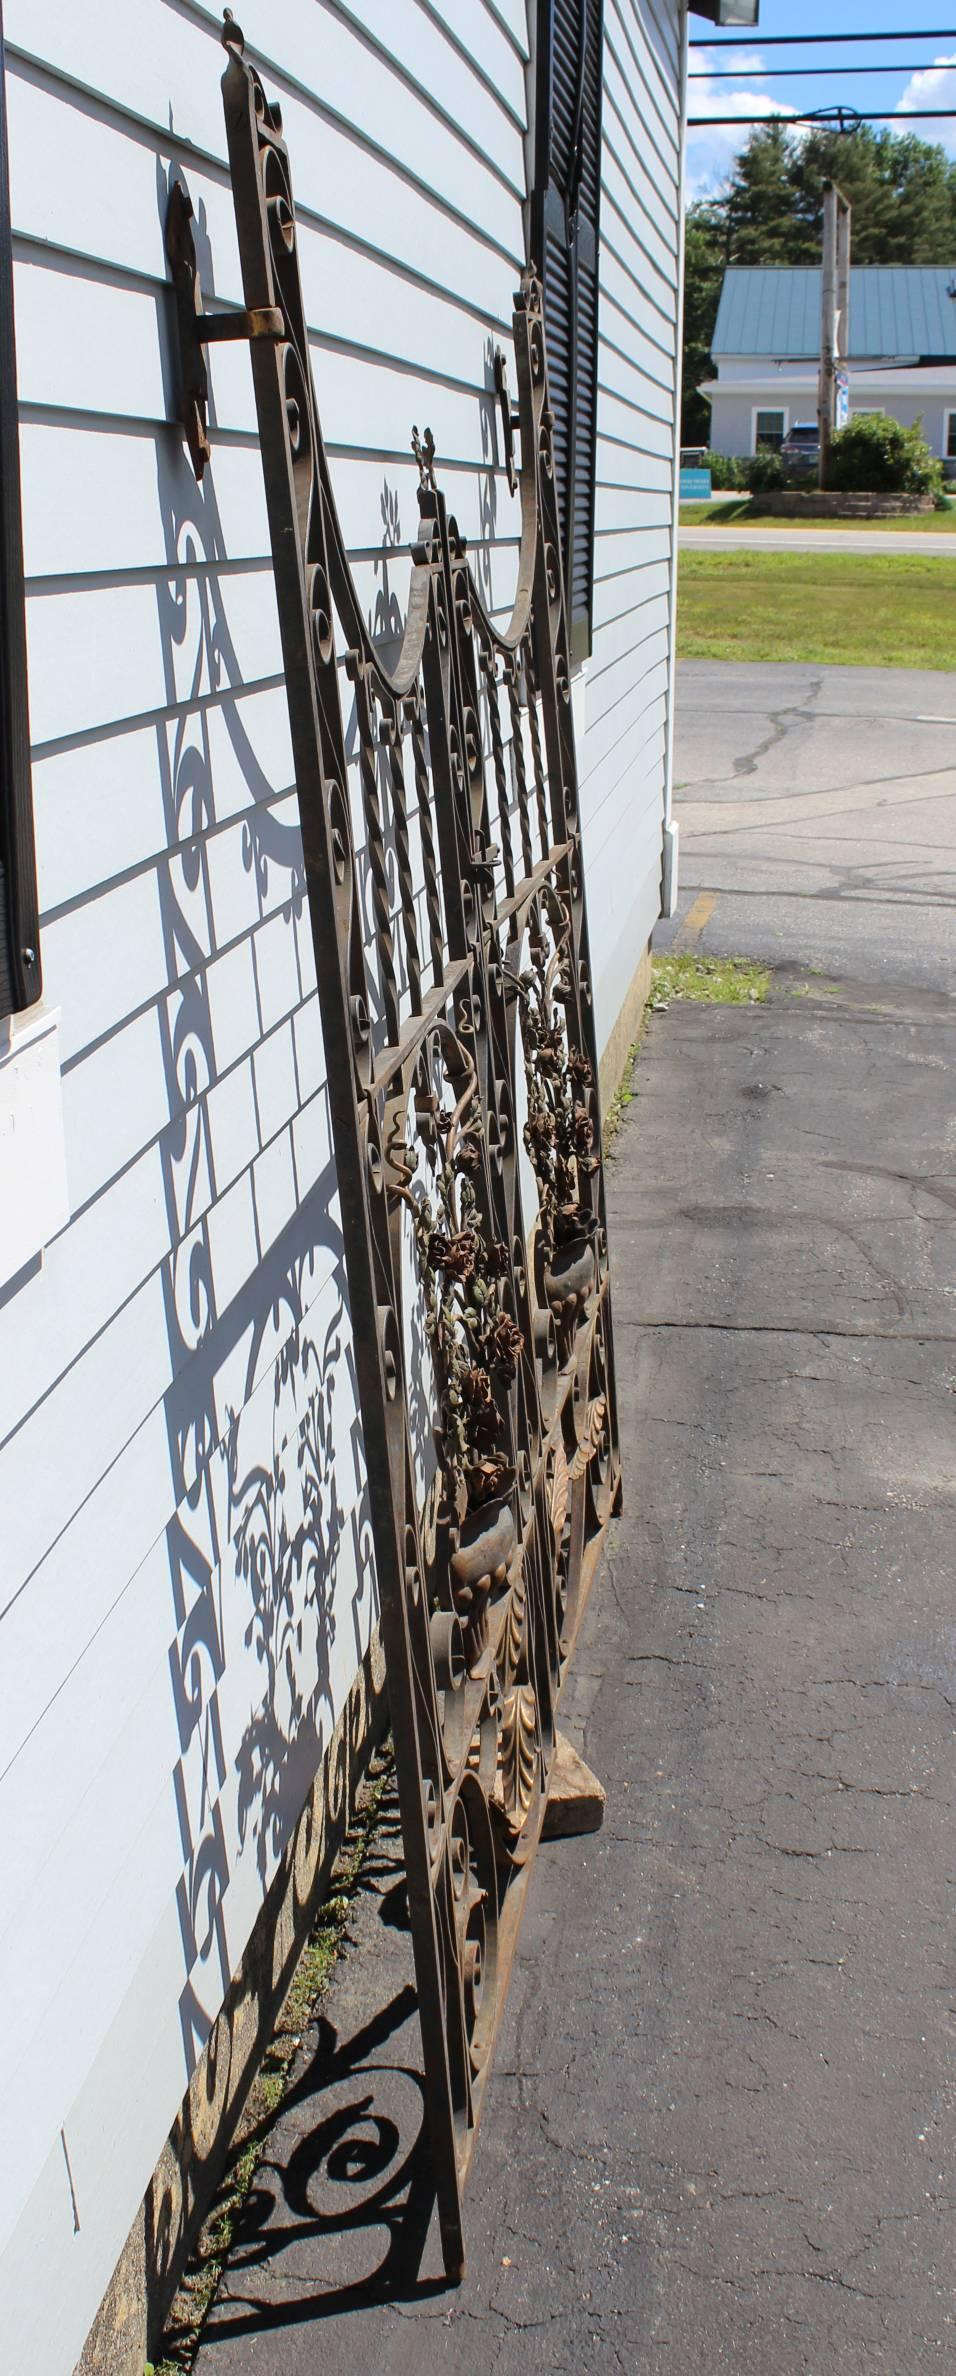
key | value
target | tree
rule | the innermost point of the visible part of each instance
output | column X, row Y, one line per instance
column 705, row 255
column 902, row 191
column 758, row 209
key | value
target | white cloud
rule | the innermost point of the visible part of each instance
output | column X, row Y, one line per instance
column 934, row 86
column 711, row 152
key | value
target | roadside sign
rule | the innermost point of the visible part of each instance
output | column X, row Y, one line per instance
column 695, row 486
column 841, row 399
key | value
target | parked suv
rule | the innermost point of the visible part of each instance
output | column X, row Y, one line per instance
column 801, row 446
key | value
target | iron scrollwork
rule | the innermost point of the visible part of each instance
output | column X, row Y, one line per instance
column 462, row 1075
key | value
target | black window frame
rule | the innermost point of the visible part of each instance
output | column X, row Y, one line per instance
column 767, row 442
column 21, row 981
column 565, row 248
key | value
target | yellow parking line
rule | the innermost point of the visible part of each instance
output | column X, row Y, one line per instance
column 699, row 915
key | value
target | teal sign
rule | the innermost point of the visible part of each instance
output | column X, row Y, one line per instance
column 695, row 486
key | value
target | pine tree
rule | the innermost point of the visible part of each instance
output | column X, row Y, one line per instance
column 902, row 191
column 758, row 207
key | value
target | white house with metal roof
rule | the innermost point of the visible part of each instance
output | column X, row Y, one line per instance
column 766, row 345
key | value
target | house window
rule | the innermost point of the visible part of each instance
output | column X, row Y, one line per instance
column 769, row 432
column 564, row 244
column 20, row 982
column 949, row 445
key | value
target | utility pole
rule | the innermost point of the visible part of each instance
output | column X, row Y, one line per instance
column 834, row 320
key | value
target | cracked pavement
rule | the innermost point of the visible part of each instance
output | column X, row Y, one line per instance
column 820, row 805
column 719, row 2131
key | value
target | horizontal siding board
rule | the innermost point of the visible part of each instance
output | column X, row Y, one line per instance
column 621, row 550
column 622, row 465
column 620, row 636
column 357, row 196
column 621, row 510
column 618, row 724
column 510, row 15
column 648, row 228
column 449, row 46
column 124, row 1234
column 89, row 830
column 617, row 595
column 622, row 240
column 112, row 56
column 203, row 1265
column 627, row 424
column 652, row 89
column 618, row 783
column 121, row 364
column 638, row 135
column 613, row 684
column 633, row 306
column 632, row 381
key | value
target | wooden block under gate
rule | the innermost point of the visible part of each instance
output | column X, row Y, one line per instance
column 576, row 1799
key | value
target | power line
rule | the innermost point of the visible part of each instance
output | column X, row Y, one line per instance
column 802, row 73
column 815, row 40
column 830, row 119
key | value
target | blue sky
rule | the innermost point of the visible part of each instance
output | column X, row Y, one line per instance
column 710, row 154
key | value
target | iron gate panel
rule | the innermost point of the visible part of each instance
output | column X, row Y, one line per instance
column 462, row 1077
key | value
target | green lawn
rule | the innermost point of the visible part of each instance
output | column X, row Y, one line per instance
column 740, row 514
column 888, row 611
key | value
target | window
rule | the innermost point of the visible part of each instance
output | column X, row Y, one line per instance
column 769, row 432
column 564, row 244
column 19, row 937
column 949, row 444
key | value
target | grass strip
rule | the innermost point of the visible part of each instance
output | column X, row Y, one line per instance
column 885, row 611
column 311, row 1977
column 742, row 513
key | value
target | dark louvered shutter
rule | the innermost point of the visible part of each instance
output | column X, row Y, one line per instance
column 20, row 983
column 565, row 246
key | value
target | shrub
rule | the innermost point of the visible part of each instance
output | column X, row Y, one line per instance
column 725, row 471
column 875, row 455
column 766, row 474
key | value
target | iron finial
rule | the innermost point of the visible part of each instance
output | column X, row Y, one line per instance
column 423, row 449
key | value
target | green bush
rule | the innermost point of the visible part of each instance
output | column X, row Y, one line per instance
column 766, row 474
column 875, row 455
column 725, row 472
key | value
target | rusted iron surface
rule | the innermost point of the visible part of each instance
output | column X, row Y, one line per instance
column 446, row 889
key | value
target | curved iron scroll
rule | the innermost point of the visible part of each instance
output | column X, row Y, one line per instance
column 482, row 1329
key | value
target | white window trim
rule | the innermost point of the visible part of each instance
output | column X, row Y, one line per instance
column 949, row 415
column 782, row 409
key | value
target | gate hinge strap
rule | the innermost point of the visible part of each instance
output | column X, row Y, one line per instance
column 261, row 321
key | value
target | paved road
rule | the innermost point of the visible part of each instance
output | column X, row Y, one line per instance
column 720, row 2127
column 940, row 542
column 818, row 805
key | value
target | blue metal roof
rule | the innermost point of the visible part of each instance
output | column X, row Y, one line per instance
column 895, row 309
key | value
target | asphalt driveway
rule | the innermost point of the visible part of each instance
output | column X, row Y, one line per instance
column 817, row 810
column 720, row 2126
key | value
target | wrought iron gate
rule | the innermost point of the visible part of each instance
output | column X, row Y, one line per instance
column 462, row 1079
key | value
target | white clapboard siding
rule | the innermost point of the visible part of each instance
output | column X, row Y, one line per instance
column 624, row 754
column 177, row 1394
column 141, row 1406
